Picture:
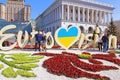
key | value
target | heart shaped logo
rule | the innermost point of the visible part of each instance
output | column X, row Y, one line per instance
column 67, row 37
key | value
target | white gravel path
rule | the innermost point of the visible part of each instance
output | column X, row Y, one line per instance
column 42, row 74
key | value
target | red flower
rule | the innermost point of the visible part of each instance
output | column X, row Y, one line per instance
column 94, row 61
column 70, row 65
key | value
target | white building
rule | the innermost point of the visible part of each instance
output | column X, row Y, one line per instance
column 82, row 13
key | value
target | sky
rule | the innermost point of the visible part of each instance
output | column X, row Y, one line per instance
column 38, row 7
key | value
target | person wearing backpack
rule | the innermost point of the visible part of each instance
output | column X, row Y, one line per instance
column 105, row 42
column 38, row 39
column 43, row 41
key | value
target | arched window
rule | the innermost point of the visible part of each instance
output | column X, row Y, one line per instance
column 82, row 29
column 69, row 26
column 90, row 30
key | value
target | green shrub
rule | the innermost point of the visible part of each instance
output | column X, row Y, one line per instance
column 1, row 66
column 23, row 61
column 28, row 65
column 84, row 56
column 25, row 73
column 114, row 51
column 12, row 64
column 9, row 73
column 23, row 56
column 17, row 56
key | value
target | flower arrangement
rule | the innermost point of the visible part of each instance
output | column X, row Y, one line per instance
column 94, row 61
column 70, row 65
column 25, row 73
column 84, row 56
column 22, row 61
column 9, row 73
column 1, row 66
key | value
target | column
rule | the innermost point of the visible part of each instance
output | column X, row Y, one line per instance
column 107, row 18
column 73, row 13
column 92, row 16
column 100, row 17
column 62, row 11
column 83, row 14
column 78, row 14
column 88, row 15
column 96, row 16
column 110, row 16
column 57, row 13
column 68, row 10
column 103, row 17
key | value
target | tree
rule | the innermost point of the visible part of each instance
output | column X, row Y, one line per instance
column 112, row 29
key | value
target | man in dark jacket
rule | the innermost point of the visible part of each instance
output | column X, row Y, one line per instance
column 105, row 42
column 38, row 39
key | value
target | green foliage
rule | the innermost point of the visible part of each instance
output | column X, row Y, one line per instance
column 112, row 29
column 23, row 58
column 1, row 66
column 114, row 51
column 12, row 64
column 29, row 65
column 9, row 73
column 26, row 73
column 84, row 56
column 21, row 61
column 17, row 56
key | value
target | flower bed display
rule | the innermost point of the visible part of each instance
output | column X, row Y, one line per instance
column 25, row 73
column 94, row 61
column 84, row 56
column 9, row 73
column 1, row 66
column 108, row 57
column 23, row 62
column 70, row 65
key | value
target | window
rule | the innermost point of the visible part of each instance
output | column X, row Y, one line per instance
column 66, row 9
column 71, row 18
column 71, row 11
column 76, row 18
column 76, row 11
column 66, row 18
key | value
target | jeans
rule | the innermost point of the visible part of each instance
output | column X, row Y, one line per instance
column 105, row 46
column 37, row 43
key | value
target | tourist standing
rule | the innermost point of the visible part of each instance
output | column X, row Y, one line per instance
column 100, row 42
column 43, row 41
column 105, row 42
column 38, row 39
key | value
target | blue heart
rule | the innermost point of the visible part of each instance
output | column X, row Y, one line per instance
column 71, row 32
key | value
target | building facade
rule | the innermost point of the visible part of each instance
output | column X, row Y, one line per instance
column 15, row 11
column 82, row 13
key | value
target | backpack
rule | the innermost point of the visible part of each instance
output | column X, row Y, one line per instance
column 104, row 39
column 43, row 38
